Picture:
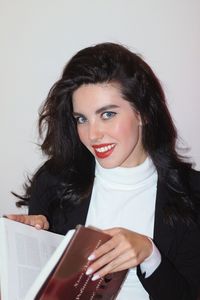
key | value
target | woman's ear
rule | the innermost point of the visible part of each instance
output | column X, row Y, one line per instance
column 140, row 120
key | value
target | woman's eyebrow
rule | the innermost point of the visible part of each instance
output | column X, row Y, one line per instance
column 107, row 107
column 98, row 111
column 76, row 114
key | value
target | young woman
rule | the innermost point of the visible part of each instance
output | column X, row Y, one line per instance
column 112, row 163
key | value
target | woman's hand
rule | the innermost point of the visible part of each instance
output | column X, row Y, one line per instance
column 38, row 221
column 126, row 249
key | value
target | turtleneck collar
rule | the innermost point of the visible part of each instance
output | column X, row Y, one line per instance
column 127, row 177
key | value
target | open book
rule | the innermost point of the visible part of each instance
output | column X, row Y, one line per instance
column 37, row 264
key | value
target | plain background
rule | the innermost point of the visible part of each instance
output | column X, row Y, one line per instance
column 37, row 37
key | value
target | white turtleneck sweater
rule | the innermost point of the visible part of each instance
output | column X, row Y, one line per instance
column 125, row 197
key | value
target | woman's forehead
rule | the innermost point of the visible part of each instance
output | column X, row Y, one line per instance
column 97, row 96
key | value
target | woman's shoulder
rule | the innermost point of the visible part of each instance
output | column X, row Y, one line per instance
column 43, row 191
column 194, row 180
column 46, row 176
column 44, row 185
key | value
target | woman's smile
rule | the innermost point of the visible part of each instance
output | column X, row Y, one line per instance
column 103, row 150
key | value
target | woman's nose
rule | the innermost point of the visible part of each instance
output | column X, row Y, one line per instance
column 95, row 132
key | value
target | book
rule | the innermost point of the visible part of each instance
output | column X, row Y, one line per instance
column 24, row 251
column 62, row 273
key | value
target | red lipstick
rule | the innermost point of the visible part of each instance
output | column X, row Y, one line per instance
column 103, row 150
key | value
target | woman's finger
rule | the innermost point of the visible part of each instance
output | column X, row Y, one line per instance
column 18, row 218
column 41, row 222
column 102, row 261
column 38, row 221
column 113, row 265
column 117, row 239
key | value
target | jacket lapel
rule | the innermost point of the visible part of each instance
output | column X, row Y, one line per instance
column 163, row 232
column 78, row 214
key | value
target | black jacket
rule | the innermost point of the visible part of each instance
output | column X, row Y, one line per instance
column 178, row 275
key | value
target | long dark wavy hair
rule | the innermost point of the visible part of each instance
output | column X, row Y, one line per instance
column 69, row 160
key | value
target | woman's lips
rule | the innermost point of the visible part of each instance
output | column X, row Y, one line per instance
column 103, row 150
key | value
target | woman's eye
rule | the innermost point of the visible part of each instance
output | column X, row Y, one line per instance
column 80, row 120
column 108, row 115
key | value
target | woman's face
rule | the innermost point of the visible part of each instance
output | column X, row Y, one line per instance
column 108, row 126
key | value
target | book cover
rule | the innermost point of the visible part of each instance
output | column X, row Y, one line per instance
column 68, row 279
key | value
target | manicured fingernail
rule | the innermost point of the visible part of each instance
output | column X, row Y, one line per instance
column 95, row 277
column 38, row 226
column 89, row 271
column 91, row 257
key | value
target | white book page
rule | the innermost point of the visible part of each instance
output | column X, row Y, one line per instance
column 49, row 266
column 23, row 253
